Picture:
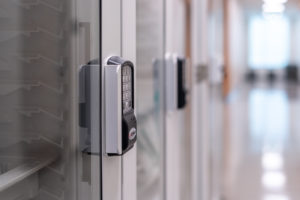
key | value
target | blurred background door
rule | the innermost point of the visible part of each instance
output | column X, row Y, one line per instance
column 150, row 89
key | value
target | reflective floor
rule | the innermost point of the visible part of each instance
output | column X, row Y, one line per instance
column 262, row 155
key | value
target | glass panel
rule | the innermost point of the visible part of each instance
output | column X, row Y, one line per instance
column 39, row 57
column 87, row 41
column 150, row 56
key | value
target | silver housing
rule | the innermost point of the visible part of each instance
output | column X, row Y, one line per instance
column 171, row 83
column 113, row 109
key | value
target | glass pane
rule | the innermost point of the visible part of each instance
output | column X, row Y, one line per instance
column 87, row 53
column 39, row 59
column 149, row 89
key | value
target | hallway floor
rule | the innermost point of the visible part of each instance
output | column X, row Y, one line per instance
column 261, row 158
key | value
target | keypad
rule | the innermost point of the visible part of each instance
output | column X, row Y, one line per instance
column 127, row 88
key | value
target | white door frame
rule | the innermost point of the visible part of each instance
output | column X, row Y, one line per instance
column 118, row 38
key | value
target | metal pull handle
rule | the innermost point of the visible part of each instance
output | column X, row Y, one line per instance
column 86, row 27
column 89, row 106
column 171, row 82
column 202, row 73
column 175, row 82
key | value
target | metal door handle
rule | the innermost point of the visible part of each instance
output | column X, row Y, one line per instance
column 86, row 26
column 89, row 106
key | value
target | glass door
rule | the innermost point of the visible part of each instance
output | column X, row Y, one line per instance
column 53, row 136
column 42, row 46
column 87, row 144
column 150, row 62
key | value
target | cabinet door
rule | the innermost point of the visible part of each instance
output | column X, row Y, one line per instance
column 87, row 52
column 48, row 151
column 118, row 38
column 150, row 88
column 42, row 45
column 178, row 121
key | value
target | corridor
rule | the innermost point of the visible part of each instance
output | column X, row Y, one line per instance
column 262, row 159
column 149, row 99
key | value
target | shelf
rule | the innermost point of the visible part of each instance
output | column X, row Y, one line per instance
column 23, row 171
column 34, row 98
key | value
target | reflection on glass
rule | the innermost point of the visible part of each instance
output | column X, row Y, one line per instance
column 269, row 119
column 274, row 180
column 276, row 197
column 272, row 161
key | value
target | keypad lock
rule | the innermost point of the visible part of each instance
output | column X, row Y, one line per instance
column 175, row 82
column 120, row 119
column 181, row 77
